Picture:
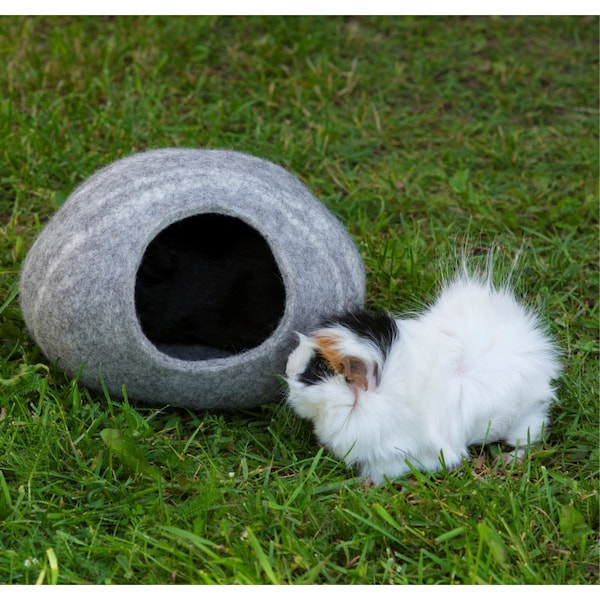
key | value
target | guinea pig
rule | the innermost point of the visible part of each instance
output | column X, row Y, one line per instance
column 386, row 395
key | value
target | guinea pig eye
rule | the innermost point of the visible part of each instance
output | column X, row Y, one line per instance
column 317, row 370
column 321, row 367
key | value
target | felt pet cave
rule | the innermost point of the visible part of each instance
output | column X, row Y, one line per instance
column 183, row 275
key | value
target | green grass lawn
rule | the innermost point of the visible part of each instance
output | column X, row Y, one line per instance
column 425, row 136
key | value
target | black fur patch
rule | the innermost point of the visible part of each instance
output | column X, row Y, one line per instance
column 379, row 328
column 317, row 370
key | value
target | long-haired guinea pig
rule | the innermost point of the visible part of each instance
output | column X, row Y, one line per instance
column 384, row 394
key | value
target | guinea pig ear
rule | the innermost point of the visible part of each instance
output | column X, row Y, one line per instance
column 361, row 373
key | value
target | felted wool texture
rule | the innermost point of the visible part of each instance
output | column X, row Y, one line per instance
column 78, row 279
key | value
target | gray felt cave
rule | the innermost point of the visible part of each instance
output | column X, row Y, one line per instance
column 183, row 275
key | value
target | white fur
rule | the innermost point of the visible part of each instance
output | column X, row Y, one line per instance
column 476, row 367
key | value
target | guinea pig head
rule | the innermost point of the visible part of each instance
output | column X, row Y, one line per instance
column 341, row 361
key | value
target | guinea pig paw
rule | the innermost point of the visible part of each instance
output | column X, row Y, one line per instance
column 508, row 458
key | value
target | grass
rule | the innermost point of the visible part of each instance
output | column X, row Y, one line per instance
column 425, row 136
